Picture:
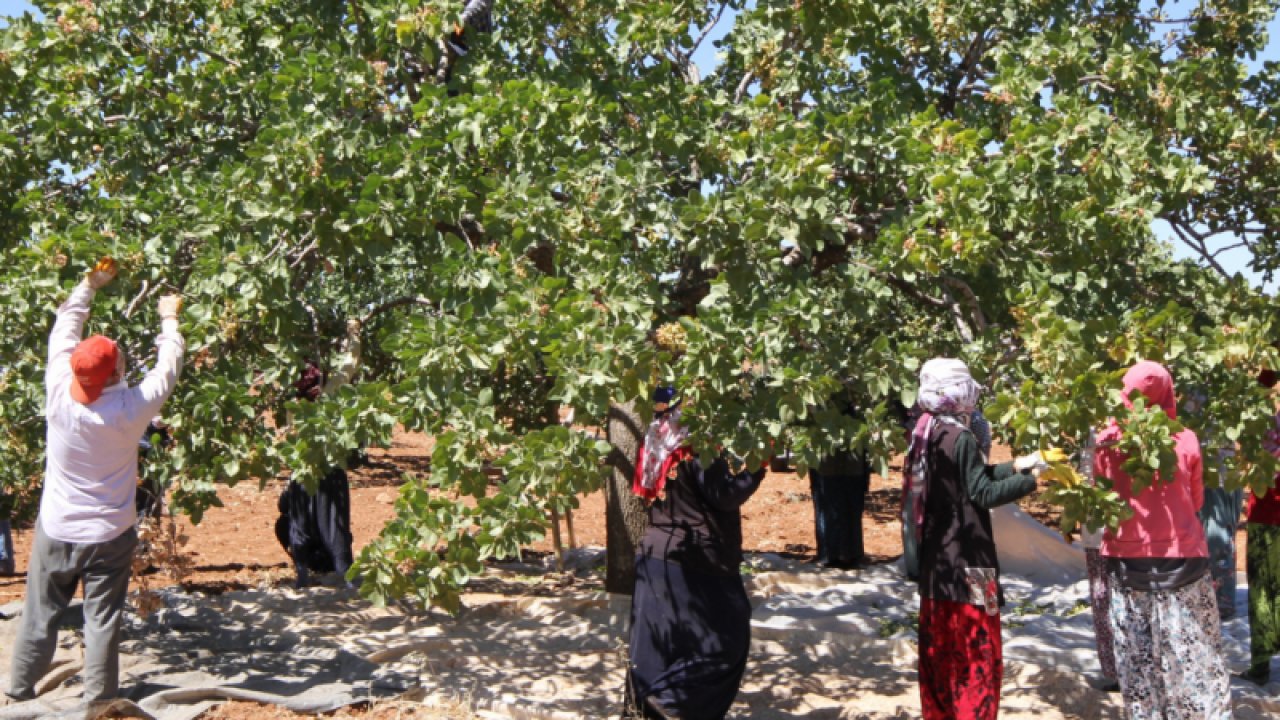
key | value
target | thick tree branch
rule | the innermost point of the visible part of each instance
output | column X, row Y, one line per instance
column 460, row 230
column 743, row 84
column 397, row 303
column 958, row 315
column 911, row 290
column 963, row 73
column 133, row 304
column 977, row 318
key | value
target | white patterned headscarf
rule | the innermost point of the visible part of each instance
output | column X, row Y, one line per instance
column 947, row 388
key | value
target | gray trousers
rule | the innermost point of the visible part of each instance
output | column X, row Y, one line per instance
column 1220, row 516
column 55, row 569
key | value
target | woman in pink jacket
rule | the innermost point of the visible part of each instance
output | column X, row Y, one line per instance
column 1168, row 643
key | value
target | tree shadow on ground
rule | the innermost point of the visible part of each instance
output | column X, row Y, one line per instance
column 884, row 506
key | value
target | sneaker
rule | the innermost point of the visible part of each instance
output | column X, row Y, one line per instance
column 7, row 699
column 1257, row 674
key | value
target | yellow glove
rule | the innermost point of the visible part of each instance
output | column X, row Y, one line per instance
column 1054, row 455
column 102, row 274
column 1063, row 474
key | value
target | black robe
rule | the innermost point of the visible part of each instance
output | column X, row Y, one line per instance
column 690, row 616
column 316, row 529
column 839, row 489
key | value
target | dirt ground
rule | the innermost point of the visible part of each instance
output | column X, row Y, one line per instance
column 234, row 547
column 237, row 710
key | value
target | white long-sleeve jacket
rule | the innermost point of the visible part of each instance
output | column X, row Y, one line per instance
column 92, row 466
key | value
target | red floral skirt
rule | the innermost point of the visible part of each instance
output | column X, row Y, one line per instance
column 961, row 664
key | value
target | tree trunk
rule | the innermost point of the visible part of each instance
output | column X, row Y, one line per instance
column 625, row 517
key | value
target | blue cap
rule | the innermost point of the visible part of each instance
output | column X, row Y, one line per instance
column 664, row 394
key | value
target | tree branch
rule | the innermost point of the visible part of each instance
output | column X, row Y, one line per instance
column 957, row 314
column 707, row 30
column 1156, row 20
column 274, row 251
column 68, row 187
column 1196, row 241
column 978, row 318
column 128, row 311
column 905, row 286
column 1095, row 80
column 302, row 254
column 398, row 302
column 741, row 90
column 964, row 71
column 445, row 227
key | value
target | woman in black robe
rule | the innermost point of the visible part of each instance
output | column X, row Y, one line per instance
column 315, row 529
column 690, row 616
column 839, row 488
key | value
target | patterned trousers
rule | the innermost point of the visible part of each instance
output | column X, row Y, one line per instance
column 1100, row 599
column 961, row 661
column 1168, row 647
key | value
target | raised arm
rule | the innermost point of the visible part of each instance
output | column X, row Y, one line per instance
column 68, row 326
column 724, row 488
column 349, row 358
column 156, row 387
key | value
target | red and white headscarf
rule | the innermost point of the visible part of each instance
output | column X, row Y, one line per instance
column 664, row 448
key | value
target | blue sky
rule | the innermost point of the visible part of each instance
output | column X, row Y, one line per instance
column 13, row 7
column 706, row 61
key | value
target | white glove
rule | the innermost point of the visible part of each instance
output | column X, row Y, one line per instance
column 169, row 307
column 1033, row 463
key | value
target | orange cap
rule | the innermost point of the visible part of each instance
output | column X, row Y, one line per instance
column 92, row 364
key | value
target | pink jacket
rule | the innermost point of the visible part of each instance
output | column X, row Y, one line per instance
column 1164, row 522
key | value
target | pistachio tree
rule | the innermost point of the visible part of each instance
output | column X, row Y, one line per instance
column 573, row 212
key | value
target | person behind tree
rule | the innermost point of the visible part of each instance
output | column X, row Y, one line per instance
column 1262, row 562
column 1099, row 589
column 1220, row 513
column 1164, row 616
column 84, row 532
column 839, row 488
column 690, row 616
column 954, row 489
column 1220, row 519
column 476, row 15
column 315, row 529
column 149, row 499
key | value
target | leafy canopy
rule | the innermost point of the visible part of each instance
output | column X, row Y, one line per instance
column 575, row 214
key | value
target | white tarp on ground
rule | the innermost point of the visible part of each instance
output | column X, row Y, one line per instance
column 1033, row 551
column 827, row 644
